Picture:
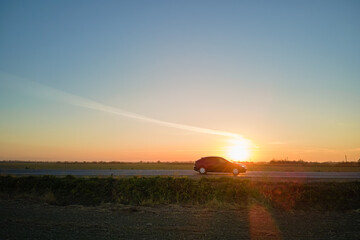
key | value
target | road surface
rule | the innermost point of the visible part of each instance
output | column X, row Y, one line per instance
column 190, row 173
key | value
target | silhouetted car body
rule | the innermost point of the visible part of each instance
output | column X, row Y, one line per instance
column 218, row 164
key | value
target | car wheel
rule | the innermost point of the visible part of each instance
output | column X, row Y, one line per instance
column 235, row 171
column 202, row 170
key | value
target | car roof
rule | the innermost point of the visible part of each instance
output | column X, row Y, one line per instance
column 211, row 157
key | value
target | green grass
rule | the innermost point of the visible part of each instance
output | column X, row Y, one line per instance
column 170, row 190
column 95, row 166
column 175, row 166
column 303, row 168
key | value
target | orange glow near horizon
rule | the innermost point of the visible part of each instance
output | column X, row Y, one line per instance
column 239, row 150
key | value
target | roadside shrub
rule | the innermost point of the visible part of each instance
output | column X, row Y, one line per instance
column 170, row 190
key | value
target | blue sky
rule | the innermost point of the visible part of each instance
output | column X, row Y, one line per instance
column 279, row 71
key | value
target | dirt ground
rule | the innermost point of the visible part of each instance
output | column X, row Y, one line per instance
column 22, row 219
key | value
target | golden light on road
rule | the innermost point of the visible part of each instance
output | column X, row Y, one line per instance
column 239, row 150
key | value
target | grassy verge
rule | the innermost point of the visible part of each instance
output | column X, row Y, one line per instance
column 302, row 168
column 95, row 166
column 170, row 190
column 174, row 166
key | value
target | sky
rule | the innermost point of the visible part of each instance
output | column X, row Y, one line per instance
column 179, row 80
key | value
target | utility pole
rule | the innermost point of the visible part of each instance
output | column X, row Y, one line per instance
column 345, row 158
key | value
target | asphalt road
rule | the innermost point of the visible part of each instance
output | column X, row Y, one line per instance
column 247, row 175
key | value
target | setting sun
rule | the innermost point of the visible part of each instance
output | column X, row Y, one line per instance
column 239, row 150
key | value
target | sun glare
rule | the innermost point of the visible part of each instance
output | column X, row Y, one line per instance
column 239, row 150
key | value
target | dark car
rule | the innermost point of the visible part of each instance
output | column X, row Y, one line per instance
column 218, row 164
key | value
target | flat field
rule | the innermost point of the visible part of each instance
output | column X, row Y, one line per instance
column 175, row 166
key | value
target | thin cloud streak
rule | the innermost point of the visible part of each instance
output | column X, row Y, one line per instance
column 39, row 90
column 277, row 143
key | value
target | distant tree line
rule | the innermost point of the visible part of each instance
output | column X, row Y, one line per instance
column 273, row 161
column 302, row 162
column 98, row 162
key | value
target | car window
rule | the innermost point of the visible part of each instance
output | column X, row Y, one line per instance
column 220, row 160
column 213, row 160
